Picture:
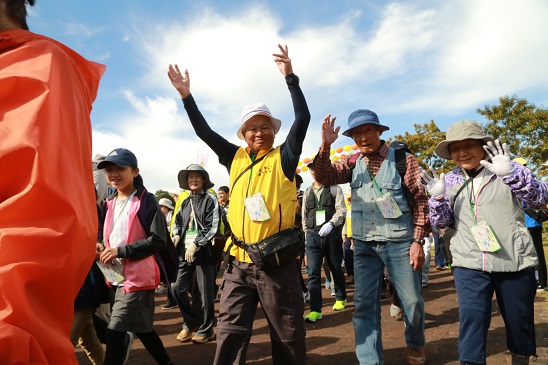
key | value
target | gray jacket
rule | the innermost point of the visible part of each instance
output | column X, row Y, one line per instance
column 497, row 204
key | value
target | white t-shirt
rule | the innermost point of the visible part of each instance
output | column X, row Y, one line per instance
column 120, row 223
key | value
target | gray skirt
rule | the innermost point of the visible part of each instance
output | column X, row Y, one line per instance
column 132, row 312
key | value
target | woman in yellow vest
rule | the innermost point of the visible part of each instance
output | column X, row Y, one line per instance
column 262, row 204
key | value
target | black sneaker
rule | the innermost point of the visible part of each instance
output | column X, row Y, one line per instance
column 129, row 340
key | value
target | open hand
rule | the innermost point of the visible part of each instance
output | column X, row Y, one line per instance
column 283, row 61
column 434, row 185
column 180, row 81
column 500, row 155
column 329, row 132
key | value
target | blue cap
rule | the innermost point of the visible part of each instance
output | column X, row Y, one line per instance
column 361, row 117
column 120, row 157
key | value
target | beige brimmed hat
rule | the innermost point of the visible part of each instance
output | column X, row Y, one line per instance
column 166, row 203
column 460, row 131
column 252, row 110
column 183, row 176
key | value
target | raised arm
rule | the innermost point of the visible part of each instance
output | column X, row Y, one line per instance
column 224, row 149
column 292, row 148
column 326, row 172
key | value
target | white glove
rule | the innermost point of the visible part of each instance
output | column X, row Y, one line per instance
column 326, row 228
column 500, row 156
column 176, row 240
column 434, row 185
column 191, row 252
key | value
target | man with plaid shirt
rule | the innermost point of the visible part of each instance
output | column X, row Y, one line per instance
column 388, row 230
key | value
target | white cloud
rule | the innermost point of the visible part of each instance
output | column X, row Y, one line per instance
column 419, row 58
column 82, row 30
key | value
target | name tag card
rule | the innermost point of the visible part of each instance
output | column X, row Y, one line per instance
column 256, row 208
column 485, row 237
column 388, row 206
column 320, row 217
column 190, row 237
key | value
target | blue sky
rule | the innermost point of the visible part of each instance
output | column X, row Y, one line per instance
column 409, row 61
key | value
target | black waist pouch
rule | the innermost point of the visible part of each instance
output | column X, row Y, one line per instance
column 277, row 250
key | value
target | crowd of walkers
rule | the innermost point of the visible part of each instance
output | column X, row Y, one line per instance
column 114, row 251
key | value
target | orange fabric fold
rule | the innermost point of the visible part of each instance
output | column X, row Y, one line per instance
column 48, row 219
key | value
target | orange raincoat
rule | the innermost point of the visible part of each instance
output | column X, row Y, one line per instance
column 48, row 219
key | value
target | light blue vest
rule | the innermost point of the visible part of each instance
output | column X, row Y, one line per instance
column 368, row 223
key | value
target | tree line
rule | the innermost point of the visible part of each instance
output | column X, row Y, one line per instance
column 522, row 125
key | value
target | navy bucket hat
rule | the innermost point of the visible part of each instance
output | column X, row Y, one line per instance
column 361, row 117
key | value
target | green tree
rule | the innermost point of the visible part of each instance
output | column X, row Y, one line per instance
column 523, row 126
column 163, row 194
column 423, row 143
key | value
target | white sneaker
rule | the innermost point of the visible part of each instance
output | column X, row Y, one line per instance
column 395, row 311
column 306, row 297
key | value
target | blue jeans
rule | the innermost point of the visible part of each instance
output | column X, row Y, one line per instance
column 439, row 259
column 370, row 258
column 515, row 296
column 317, row 248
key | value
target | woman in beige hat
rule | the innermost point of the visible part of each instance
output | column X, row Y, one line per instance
column 492, row 249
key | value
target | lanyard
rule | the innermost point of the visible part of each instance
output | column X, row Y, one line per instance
column 319, row 202
column 473, row 198
column 374, row 181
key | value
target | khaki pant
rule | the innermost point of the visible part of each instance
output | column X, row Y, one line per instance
column 83, row 333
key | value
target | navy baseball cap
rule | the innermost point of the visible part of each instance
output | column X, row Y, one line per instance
column 120, row 157
column 361, row 117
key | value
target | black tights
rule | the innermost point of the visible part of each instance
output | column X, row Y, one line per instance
column 116, row 347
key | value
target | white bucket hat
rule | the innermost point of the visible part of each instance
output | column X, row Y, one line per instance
column 166, row 203
column 460, row 131
column 252, row 110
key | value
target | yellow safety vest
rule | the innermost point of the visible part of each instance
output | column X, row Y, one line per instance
column 268, row 178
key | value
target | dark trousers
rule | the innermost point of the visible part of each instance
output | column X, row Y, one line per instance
column 202, row 318
column 536, row 233
column 515, row 296
column 281, row 298
column 317, row 248
column 348, row 257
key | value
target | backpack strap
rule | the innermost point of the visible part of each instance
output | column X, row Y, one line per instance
column 401, row 166
column 166, row 254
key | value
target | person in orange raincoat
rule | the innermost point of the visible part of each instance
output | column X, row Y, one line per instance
column 48, row 219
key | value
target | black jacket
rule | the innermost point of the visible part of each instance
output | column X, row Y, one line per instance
column 208, row 221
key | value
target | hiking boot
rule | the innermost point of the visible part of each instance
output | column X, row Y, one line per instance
column 339, row 305
column 170, row 305
column 185, row 335
column 415, row 356
column 313, row 317
column 198, row 339
column 350, row 280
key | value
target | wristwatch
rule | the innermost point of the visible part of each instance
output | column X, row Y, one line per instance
column 292, row 79
column 419, row 241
